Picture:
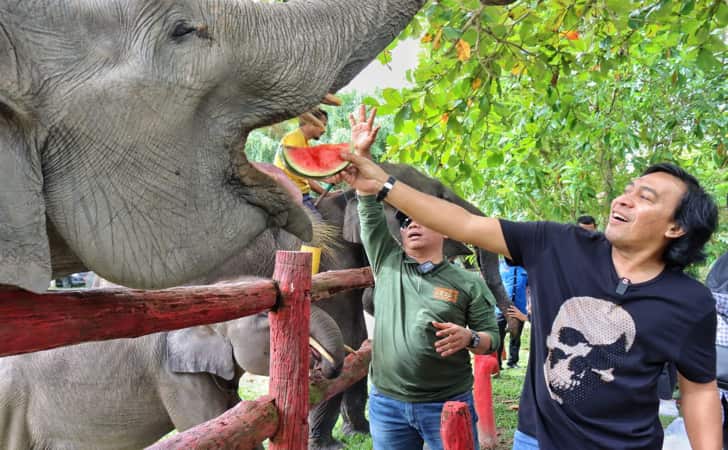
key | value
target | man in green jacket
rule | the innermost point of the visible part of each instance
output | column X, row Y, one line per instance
column 422, row 306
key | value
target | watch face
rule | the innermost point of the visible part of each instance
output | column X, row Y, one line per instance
column 475, row 341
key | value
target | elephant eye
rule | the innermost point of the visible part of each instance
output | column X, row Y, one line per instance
column 181, row 29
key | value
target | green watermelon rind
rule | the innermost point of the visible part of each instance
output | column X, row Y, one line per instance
column 313, row 175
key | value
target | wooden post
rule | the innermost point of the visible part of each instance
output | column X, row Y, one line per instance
column 456, row 427
column 289, row 353
column 485, row 366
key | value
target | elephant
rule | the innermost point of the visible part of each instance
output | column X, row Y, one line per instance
column 123, row 125
column 128, row 393
column 343, row 250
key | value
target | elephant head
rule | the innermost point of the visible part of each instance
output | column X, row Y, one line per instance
column 123, row 125
column 243, row 345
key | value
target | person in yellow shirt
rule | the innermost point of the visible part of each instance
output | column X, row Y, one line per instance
column 300, row 138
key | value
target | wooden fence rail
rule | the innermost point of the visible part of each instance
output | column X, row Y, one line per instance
column 32, row 322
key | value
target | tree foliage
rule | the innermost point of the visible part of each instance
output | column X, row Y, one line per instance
column 545, row 109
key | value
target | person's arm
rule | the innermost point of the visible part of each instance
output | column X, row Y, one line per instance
column 701, row 411
column 480, row 317
column 515, row 312
column 316, row 187
column 455, row 338
column 375, row 237
column 432, row 212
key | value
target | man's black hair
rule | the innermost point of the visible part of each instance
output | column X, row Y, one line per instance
column 586, row 220
column 696, row 214
column 318, row 113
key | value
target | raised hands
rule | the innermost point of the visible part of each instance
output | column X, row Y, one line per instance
column 363, row 131
column 363, row 175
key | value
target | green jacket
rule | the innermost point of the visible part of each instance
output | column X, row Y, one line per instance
column 405, row 365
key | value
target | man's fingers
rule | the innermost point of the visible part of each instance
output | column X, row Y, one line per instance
column 373, row 114
column 375, row 132
column 352, row 121
column 362, row 113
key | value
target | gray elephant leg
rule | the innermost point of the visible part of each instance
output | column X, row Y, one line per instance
column 353, row 406
column 321, row 421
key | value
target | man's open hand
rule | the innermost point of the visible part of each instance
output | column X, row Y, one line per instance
column 363, row 131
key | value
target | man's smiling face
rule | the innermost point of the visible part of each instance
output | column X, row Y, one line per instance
column 643, row 216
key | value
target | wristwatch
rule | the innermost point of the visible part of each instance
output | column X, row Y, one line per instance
column 386, row 187
column 474, row 340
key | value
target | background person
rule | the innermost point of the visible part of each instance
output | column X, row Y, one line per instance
column 515, row 283
column 300, row 137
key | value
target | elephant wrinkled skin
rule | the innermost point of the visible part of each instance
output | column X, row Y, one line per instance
column 123, row 124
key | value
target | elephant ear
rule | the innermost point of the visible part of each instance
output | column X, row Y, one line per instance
column 351, row 228
column 24, row 250
column 200, row 349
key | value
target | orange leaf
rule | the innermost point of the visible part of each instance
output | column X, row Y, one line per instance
column 426, row 38
column 438, row 38
column 444, row 117
column 571, row 35
column 463, row 50
column 476, row 83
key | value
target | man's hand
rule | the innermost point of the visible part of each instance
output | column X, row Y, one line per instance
column 515, row 312
column 362, row 174
column 363, row 131
column 454, row 338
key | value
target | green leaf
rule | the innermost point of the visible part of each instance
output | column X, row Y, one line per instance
column 392, row 96
column 706, row 61
column 687, row 8
column 451, row 33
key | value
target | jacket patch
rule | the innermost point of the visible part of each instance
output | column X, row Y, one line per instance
column 448, row 295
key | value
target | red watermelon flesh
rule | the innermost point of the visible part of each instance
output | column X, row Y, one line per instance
column 319, row 161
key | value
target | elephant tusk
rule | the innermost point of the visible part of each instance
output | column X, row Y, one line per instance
column 348, row 349
column 320, row 348
column 331, row 99
column 310, row 118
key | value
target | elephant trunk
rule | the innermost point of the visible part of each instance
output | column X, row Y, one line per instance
column 302, row 51
column 329, row 347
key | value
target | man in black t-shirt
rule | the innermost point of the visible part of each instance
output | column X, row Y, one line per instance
column 608, row 311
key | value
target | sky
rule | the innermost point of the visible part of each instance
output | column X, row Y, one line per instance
column 376, row 75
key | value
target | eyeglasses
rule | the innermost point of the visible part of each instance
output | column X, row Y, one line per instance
column 404, row 223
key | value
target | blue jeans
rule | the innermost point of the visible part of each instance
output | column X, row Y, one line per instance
column 397, row 425
column 523, row 441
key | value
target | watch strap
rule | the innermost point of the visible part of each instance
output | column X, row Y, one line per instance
column 386, row 187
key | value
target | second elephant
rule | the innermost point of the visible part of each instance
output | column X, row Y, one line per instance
column 128, row 393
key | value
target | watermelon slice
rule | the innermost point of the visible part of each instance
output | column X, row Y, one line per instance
column 317, row 162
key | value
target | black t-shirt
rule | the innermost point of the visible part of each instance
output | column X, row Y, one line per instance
column 595, row 354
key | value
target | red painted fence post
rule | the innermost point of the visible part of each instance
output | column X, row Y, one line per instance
column 485, row 366
column 456, row 427
column 289, row 353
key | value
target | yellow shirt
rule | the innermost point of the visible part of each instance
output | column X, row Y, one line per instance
column 293, row 139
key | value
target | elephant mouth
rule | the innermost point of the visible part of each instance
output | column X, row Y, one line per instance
column 268, row 187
